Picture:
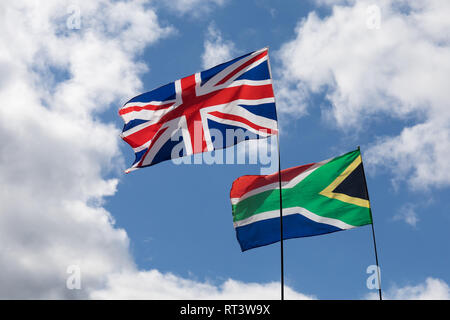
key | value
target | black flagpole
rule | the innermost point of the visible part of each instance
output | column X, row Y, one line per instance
column 281, row 200
column 281, row 218
column 373, row 231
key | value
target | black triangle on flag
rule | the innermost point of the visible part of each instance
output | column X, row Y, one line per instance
column 353, row 184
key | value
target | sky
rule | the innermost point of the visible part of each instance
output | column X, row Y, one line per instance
column 346, row 73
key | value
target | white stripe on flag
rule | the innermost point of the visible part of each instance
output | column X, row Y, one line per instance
column 293, row 210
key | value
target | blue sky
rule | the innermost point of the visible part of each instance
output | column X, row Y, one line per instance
column 345, row 74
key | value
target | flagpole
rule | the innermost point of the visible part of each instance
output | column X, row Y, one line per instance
column 373, row 231
column 279, row 186
column 281, row 217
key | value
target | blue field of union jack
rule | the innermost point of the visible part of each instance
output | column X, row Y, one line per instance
column 232, row 95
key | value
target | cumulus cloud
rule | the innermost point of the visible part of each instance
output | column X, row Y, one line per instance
column 431, row 289
column 156, row 285
column 216, row 49
column 54, row 152
column 389, row 60
column 408, row 214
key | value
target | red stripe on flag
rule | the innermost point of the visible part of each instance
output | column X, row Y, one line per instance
column 187, row 86
column 195, row 127
column 244, row 184
column 142, row 136
column 244, row 92
column 146, row 107
column 233, row 117
column 224, row 96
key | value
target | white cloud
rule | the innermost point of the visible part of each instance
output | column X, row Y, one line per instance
column 155, row 285
column 56, row 153
column 216, row 49
column 408, row 214
column 431, row 289
column 391, row 62
column 418, row 153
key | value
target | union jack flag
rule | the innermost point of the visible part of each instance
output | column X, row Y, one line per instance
column 232, row 95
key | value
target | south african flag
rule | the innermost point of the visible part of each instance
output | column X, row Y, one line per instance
column 317, row 198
